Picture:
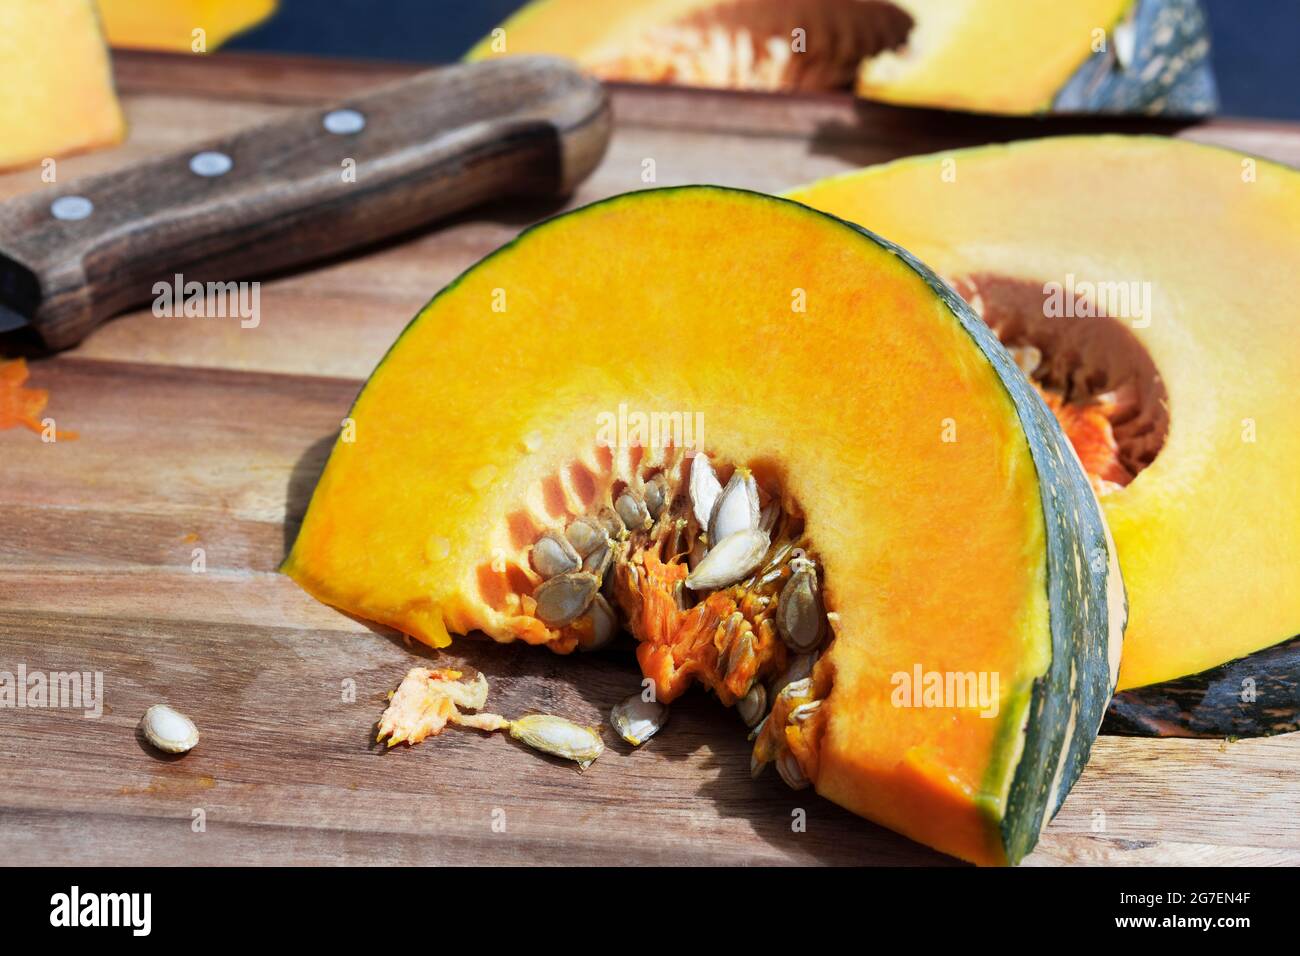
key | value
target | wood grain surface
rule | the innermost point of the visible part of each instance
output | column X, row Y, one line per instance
column 200, row 434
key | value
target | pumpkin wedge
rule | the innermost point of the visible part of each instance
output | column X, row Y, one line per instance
column 1191, row 367
column 791, row 461
column 58, row 82
column 185, row 26
column 987, row 56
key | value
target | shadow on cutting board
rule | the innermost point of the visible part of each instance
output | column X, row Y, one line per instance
column 880, row 132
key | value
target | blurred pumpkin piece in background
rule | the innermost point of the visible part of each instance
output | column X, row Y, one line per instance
column 170, row 24
column 1010, row 57
column 58, row 83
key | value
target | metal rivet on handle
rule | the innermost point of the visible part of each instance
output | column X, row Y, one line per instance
column 210, row 163
column 71, row 208
column 343, row 122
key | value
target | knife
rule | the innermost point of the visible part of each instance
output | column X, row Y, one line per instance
column 301, row 188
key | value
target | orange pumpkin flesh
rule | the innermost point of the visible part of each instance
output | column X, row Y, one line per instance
column 865, row 398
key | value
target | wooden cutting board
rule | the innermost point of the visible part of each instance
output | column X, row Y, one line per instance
column 197, row 434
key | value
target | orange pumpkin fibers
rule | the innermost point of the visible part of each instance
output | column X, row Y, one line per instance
column 20, row 405
column 1088, row 426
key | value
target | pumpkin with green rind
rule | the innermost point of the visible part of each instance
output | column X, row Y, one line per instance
column 1157, row 61
column 984, row 554
column 987, row 56
column 1253, row 696
column 1208, row 531
column 1065, row 711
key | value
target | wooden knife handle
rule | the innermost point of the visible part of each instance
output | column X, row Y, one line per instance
column 295, row 191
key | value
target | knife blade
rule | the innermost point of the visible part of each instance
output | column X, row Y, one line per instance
column 302, row 188
column 11, row 320
column 19, row 294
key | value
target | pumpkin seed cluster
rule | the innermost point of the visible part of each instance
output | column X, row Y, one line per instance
column 715, row 581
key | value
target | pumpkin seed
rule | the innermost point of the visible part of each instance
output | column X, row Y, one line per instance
column 597, row 562
column 612, row 523
column 586, row 535
column 736, row 508
column 552, row 555
column 632, row 510
column 656, row 496
column 767, row 518
column 704, row 488
column 169, row 730
column 637, row 720
column 799, row 668
column 788, row 767
column 730, row 629
column 771, row 569
column 1027, row 357
column 801, row 713
column 797, row 688
column 1124, row 37
column 670, row 547
column 800, row 618
column 729, row 560
column 763, row 579
column 776, row 560
column 753, row 706
column 604, row 624
column 559, row 737
column 742, row 651
column 563, row 598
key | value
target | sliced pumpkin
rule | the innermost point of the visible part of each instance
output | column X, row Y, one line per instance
column 58, row 82
column 172, row 24
column 760, row 438
column 1197, row 370
column 990, row 56
column 1024, row 56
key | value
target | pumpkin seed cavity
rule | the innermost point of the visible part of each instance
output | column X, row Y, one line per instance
column 745, row 44
column 1095, row 377
column 714, row 579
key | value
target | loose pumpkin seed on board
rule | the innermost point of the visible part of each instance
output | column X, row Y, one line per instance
column 636, row 719
column 169, row 730
column 559, row 737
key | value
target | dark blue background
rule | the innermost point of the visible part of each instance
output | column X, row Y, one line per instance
column 1256, row 42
